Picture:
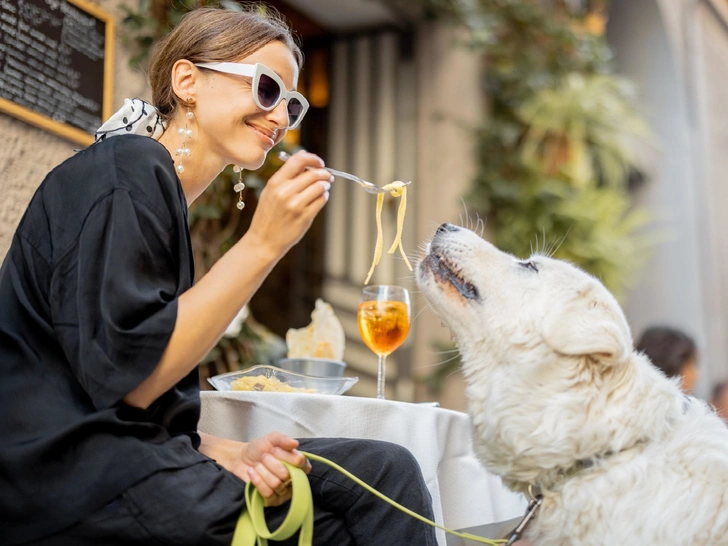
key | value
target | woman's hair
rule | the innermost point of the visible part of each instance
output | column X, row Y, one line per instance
column 213, row 35
column 668, row 349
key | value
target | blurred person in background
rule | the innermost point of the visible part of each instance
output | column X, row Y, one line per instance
column 719, row 400
column 672, row 351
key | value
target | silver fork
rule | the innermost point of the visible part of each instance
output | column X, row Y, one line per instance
column 368, row 186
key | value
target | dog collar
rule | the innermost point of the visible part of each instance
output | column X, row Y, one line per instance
column 585, row 464
column 536, row 496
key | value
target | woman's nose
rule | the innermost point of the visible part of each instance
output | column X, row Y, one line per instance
column 279, row 115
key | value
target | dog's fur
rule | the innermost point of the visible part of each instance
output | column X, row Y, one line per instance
column 560, row 400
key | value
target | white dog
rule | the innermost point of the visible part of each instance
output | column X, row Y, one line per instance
column 560, row 401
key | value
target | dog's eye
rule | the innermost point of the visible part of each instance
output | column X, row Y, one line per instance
column 529, row 265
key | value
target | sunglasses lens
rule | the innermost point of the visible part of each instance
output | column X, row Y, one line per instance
column 268, row 91
column 295, row 109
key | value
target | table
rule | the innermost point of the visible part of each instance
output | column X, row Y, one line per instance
column 463, row 493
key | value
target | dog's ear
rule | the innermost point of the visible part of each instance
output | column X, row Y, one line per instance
column 589, row 324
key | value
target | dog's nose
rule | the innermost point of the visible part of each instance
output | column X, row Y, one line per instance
column 444, row 228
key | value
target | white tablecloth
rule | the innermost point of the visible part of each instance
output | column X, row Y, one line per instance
column 463, row 493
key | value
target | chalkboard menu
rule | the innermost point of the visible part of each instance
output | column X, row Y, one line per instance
column 56, row 63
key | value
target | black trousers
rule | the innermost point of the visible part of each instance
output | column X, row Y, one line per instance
column 200, row 505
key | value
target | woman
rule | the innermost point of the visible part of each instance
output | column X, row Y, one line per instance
column 673, row 352
column 101, row 328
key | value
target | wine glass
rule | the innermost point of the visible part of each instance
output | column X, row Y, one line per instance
column 384, row 321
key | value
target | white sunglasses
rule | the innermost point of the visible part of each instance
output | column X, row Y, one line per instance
column 268, row 89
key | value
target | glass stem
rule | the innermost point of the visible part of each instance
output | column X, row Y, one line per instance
column 380, row 377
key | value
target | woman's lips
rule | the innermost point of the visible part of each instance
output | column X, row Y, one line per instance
column 265, row 137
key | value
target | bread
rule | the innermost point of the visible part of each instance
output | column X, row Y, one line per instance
column 323, row 338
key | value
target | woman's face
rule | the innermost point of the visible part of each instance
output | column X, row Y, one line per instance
column 722, row 404
column 229, row 123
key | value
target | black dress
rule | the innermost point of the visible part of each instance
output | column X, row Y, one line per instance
column 88, row 302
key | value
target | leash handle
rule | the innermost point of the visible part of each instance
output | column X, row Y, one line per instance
column 252, row 529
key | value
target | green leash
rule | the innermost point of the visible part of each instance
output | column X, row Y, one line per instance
column 252, row 530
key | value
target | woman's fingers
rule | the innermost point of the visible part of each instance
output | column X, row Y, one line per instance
column 292, row 197
column 297, row 163
column 268, row 473
column 299, row 172
column 284, row 447
column 273, row 472
column 289, row 189
column 272, row 479
column 293, row 457
column 298, row 211
column 280, row 440
column 270, row 497
column 260, row 484
column 310, row 195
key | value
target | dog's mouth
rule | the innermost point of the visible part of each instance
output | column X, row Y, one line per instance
column 445, row 271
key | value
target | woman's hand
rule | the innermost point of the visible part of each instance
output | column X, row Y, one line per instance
column 289, row 202
column 259, row 462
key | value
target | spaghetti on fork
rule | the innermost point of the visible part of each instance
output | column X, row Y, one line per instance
column 395, row 189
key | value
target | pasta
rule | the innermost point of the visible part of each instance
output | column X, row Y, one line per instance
column 398, row 189
column 395, row 189
column 263, row 383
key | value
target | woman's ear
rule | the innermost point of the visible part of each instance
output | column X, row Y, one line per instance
column 185, row 78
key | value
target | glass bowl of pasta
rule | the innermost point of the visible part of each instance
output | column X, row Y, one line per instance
column 265, row 378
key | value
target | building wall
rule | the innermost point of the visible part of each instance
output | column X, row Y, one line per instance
column 27, row 153
column 677, row 54
column 710, row 73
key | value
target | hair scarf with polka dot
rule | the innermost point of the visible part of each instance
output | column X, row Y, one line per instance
column 136, row 117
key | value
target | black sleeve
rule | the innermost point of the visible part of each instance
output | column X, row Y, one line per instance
column 114, row 294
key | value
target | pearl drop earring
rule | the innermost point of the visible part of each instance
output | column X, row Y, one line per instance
column 186, row 132
column 239, row 187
